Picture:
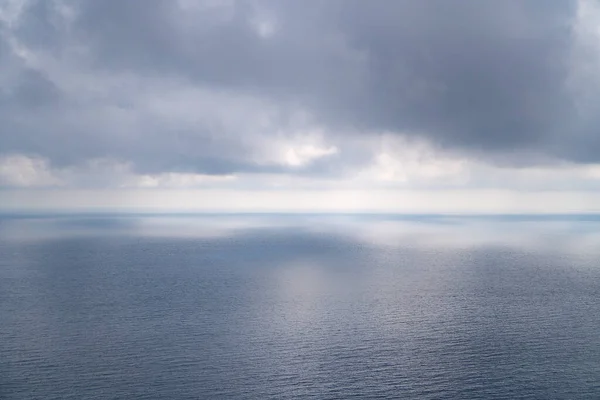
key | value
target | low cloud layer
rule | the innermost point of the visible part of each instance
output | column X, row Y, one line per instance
column 168, row 93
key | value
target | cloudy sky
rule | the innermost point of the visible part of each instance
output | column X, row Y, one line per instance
column 337, row 105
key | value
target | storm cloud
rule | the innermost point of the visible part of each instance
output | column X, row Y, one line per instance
column 225, row 86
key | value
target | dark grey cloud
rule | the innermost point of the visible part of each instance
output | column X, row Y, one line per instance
column 475, row 74
column 488, row 78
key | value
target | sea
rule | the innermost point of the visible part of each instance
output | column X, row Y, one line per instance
column 301, row 306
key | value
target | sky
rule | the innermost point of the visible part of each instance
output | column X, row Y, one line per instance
column 462, row 106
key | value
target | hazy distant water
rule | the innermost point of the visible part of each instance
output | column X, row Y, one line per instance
column 243, row 307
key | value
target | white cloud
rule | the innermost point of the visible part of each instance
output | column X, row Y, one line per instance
column 297, row 156
column 398, row 160
column 296, row 147
column 177, row 180
column 29, row 171
column 23, row 171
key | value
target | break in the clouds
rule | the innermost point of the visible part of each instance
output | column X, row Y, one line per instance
column 343, row 93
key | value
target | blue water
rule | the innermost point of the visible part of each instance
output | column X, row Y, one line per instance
column 261, row 307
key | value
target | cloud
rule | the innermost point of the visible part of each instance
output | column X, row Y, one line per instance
column 23, row 171
column 178, row 91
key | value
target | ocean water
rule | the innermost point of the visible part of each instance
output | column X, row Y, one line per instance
column 299, row 307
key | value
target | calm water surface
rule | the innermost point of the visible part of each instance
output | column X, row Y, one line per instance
column 258, row 307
